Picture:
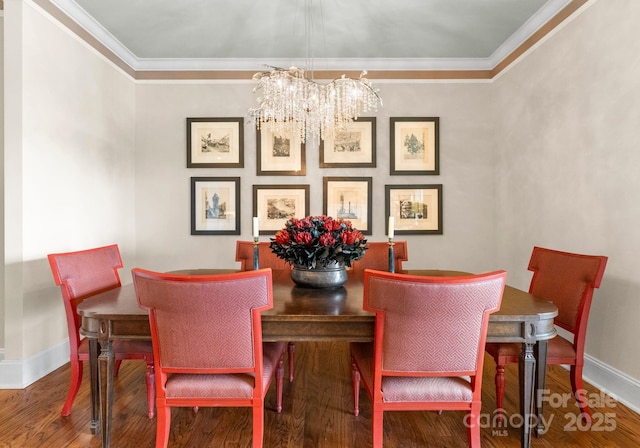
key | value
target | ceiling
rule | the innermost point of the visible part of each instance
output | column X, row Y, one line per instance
column 338, row 35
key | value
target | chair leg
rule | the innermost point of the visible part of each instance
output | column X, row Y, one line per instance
column 163, row 425
column 279, row 380
column 258, row 424
column 500, row 392
column 473, row 429
column 76, row 379
column 151, row 389
column 355, row 381
column 575, row 374
column 291, row 348
column 116, row 367
column 377, row 426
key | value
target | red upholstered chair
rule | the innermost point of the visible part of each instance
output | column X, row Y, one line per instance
column 377, row 256
column 428, row 347
column 266, row 259
column 80, row 275
column 567, row 280
column 207, row 341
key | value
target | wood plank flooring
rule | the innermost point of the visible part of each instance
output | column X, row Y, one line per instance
column 317, row 413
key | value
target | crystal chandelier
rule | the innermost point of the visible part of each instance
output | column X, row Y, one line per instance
column 295, row 104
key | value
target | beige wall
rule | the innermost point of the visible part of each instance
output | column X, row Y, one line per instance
column 568, row 160
column 163, row 181
column 69, row 176
column 2, row 181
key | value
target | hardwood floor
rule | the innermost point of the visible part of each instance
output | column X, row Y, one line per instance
column 317, row 413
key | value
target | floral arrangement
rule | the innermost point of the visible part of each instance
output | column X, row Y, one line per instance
column 318, row 241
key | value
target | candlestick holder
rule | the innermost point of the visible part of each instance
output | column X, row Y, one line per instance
column 256, row 263
column 392, row 261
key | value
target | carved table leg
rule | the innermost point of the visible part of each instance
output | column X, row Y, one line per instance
column 526, row 369
column 106, row 364
column 541, row 378
column 93, row 375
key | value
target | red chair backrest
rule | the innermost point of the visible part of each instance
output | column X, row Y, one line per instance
column 82, row 274
column 377, row 256
column 431, row 326
column 206, row 323
column 568, row 280
column 266, row 258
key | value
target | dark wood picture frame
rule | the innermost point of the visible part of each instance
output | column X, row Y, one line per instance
column 349, row 198
column 415, row 145
column 273, row 205
column 353, row 147
column 278, row 154
column 417, row 209
column 215, row 206
column 215, row 142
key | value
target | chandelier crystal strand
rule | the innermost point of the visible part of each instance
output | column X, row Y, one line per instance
column 291, row 103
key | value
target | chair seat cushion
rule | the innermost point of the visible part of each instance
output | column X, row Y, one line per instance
column 234, row 385
column 184, row 385
column 408, row 389
column 420, row 389
column 558, row 348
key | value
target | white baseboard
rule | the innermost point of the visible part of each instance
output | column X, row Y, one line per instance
column 613, row 382
column 18, row 374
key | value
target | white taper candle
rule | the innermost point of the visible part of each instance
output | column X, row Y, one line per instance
column 256, row 230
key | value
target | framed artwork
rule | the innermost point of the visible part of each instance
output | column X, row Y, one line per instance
column 417, row 209
column 215, row 206
column 273, row 205
column 348, row 198
column 215, row 142
column 415, row 146
column 280, row 153
column 353, row 147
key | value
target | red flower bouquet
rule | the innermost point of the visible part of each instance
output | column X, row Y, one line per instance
column 318, row 241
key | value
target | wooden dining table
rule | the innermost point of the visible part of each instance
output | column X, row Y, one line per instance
column 305, row 314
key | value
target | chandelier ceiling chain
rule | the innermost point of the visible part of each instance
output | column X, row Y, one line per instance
column 293, row 104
